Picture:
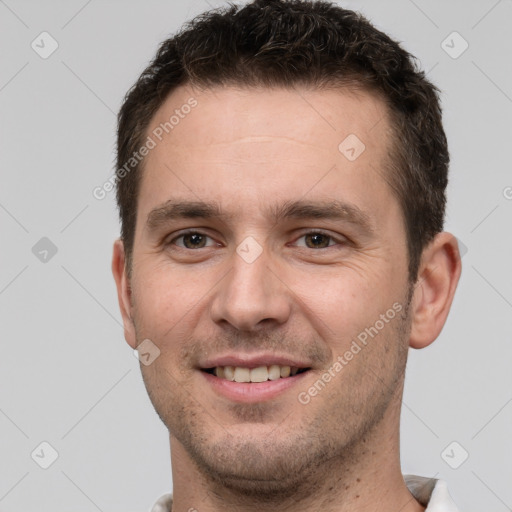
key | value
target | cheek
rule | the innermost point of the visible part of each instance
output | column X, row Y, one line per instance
column 343, row 302
column 167, row 299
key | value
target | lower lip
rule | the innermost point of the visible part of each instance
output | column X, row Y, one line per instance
column 251, row 392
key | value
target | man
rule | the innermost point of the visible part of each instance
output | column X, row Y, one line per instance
column 281, row 186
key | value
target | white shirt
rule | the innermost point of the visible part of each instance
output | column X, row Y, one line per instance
column 430, row 492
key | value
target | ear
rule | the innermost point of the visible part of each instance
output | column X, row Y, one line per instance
column 123, row 292
column 438, row 276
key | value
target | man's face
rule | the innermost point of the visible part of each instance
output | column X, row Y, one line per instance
column 266, row 275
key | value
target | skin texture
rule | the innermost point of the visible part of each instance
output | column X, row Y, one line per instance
column 250, row 150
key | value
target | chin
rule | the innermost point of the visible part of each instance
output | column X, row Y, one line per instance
column 254, row 469
column 270, row 465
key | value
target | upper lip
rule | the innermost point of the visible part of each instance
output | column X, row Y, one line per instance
column 253, row 361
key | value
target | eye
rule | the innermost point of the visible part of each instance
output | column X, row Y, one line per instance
column 316, row 240
column 192, row 240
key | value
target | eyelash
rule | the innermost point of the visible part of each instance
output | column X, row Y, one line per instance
column 313, row 232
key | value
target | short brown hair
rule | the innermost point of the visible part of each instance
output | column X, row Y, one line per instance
column 276, row 43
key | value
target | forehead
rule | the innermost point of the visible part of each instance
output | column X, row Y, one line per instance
column 253, row 144
column 272, row 112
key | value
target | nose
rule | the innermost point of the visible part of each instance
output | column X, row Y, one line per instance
column 252, row 295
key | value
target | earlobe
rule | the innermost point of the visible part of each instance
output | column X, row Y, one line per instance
column 123, row 291
column 438, row 276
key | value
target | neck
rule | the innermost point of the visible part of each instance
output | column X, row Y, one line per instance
column 368, row 478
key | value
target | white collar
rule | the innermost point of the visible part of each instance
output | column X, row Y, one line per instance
column 431, row 492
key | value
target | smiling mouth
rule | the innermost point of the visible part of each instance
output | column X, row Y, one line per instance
column 258, row 374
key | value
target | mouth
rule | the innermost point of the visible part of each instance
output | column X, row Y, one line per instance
column 253, row 377
column 243, row 374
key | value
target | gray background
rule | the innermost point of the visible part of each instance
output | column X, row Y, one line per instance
column 67, row 376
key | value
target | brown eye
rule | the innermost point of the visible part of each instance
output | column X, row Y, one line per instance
column 317, row 240
column 192, row 240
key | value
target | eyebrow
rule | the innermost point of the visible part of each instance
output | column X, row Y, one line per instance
column 300, row 209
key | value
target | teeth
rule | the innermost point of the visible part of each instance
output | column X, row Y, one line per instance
column 242, row 374
column 285, row 371
column 259, row 374
column 274, row 372
column 229, row 372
